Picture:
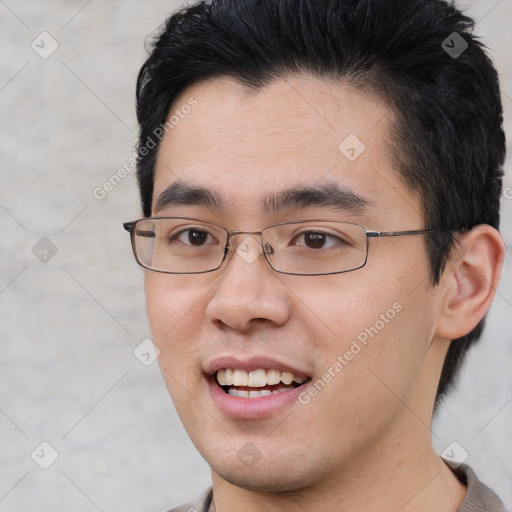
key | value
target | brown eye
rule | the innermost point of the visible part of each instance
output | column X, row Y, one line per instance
column 317, row 240
column 196, row 237
column 193, row 237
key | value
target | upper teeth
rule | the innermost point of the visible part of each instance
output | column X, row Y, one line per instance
column 256, row 378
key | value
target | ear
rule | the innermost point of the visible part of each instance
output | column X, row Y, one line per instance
column 470, row 280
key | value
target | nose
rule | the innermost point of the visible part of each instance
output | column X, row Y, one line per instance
column 249, row 294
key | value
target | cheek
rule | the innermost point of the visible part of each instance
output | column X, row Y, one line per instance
column 376, row 355
column 174, row 314
column 368, row 324
column 344, row 308
column 172, row 304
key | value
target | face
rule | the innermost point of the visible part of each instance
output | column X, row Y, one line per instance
column 362, row 339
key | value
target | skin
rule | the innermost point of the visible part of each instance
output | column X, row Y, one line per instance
column 364, row 441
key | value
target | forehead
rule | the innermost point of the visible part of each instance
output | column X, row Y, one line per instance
column 248, row 144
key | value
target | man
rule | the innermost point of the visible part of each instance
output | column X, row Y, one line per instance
column 320, row 184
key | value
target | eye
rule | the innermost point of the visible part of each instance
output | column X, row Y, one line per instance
column 317, row 240
column 193, row 237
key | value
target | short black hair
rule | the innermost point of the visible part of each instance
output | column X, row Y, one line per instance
column 419, row 56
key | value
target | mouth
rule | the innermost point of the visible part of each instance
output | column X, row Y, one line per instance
column 255, row 387
column 257, row 383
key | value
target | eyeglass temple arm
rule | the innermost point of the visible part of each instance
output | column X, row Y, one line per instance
column 130, row 227
column 378, row 234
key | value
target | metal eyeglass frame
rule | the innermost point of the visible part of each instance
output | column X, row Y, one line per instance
column 267, row 248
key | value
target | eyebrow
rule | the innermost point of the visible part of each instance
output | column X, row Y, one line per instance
column 329, row 195
column 179, row 193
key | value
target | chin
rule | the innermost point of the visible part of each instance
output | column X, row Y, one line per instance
column 266, row 479
column 274, row 473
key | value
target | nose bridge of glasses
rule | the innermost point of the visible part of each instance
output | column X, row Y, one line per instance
column 251, row 246
column 267, row 248
column 255, row 234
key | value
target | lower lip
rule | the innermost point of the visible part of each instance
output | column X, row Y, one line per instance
column 252, row 408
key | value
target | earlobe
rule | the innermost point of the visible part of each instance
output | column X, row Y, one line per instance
column 471, row 279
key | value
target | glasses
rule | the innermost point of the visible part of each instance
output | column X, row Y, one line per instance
column 185, row 245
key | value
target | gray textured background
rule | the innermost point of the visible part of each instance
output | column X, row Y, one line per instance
column 68, row 326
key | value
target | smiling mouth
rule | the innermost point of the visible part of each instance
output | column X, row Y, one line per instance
column 257, row 383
